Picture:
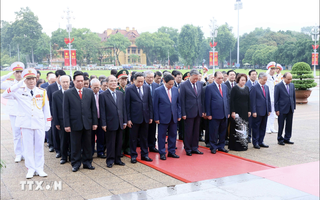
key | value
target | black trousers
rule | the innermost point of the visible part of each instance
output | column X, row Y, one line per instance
column 191, row 134
column 141, row 131
column 114, row 144
column 81, row 140
column 100, row 139
column 126, row 140
column 56, row 137
column 49, row 137
column 152, row 135
column 288, row 130
column 64, row 143
column 206, row 136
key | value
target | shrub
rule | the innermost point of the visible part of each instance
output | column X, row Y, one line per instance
column 302, row 77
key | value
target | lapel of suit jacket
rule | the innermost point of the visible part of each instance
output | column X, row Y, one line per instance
column 75, row 92
column 60, row 95
column 135, row 90
column 215, row 87
column 165, row 93
column 285, row 89
column 111, row 97
column 191, row 87
column 198, row 84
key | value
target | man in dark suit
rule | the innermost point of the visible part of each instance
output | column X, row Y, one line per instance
column 285, row 104
column 218, row 112
column 95, row 86
column 260, row 108
column 149, row 76
column 50, row 90
column 177, row 78
column 45, row 85
column 140, row 113
column 167, row 112
column 113, row 120
column 251, row 82
column 57, row 113
column 79, row 117
column 191, row 111
column 230, row 83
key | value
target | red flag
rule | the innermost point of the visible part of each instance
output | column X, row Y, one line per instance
column 216, row 58
column 211, row 45
column 210, row 58
column 314, row 60
column 73, row 58
column 66, row 58
column 66, row 40
column 215, row 44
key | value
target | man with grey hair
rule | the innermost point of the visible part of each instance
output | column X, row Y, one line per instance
column 191, row 111
column 149, row 81
column 96, row 88
column 57, row 114
column 261, row 108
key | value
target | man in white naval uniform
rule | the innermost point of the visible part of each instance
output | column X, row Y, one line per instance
column 33, row 118
column 271, row 83
column 11, row 107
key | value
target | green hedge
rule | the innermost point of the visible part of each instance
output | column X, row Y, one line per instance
column 302, row 76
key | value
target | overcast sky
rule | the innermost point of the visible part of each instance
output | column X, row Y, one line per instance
column 149, row 15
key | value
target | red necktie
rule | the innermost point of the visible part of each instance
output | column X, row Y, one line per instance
column 195, row 90
column 220, row 90
column 80, row 94
column 169, row 95
column 264, row 92
column 232, row 84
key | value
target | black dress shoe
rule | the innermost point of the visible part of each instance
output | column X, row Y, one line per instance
column 58, row 155
column 197, row 152
column 226, row 142
column 208, row 145
column 120, row 163
column 146, row 158
column 288, row 142
column 173, row 155
column 133, row 160
column 213, row 151
column 51, row 149
column 154, row 150
column 163, row 157
column 89, row 167
column 62, row 162
column 75, row 169
column 102, row 156
column 109, row 165
column 189, row 154
column 223, row 150
column 281, row 143
column 264, row 145
column 256, row 146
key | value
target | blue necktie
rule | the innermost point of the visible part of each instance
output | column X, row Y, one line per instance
column 140, row 93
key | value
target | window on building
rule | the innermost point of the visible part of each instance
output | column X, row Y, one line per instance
column 138, row 51
column 128, row 60
column 133, row 50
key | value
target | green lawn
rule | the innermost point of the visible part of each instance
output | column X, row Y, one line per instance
column 107, row 72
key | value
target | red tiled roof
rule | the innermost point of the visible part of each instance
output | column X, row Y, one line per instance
column 131, row 34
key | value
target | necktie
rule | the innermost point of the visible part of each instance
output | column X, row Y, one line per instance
column 59, row 87
column 195, row 89
column 114, row 96
column 140, row 93
column 252, row 83
column 264, row 92
column 288, row 89
column 80, row 94
column 150, row 89
column 169, row 96
column 272, row 78
column 31, row 92
column 97, row 104
column 220, row 90
column 232, row 84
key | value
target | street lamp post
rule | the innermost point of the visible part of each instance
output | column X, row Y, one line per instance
column 238, row 6
column 69, row 29
column 315, row 37
column 213, row 33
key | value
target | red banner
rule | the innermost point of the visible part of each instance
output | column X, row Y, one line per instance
column 216, row 58
column 73, row 58
column 66, row 58
column 315, row 58
column 210, row 58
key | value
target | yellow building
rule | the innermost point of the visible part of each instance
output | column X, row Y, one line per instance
column 124, row 57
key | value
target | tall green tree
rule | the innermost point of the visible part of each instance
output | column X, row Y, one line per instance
column 27, row 30
column 120, row 43
column 173, row 35
column 188, row 44
column 225, row 41
column 146, row 42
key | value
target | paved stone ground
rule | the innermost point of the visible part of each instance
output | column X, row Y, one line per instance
column 103, row 181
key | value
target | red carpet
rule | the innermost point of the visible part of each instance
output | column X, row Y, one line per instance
column 304, row 177
column 202, row 167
